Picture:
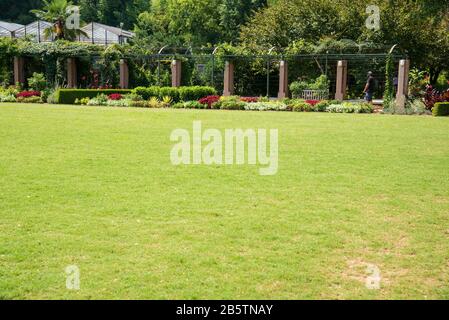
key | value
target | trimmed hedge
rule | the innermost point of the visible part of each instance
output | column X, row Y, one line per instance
column 177, row 94
column 441, row 109
column 68, row 96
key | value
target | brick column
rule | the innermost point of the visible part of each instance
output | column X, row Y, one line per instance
column 124, row 74
column 72, row 76
column 229, row 79
column 19, row 70
column 283, row 80
column 176, row 73
column 401, row 96
column 342, row 80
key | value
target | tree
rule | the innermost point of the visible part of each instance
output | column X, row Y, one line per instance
column 58, row 12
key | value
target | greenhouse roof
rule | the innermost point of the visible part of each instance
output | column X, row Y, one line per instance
column 96, row 32
column 11, row 27
column 113, row 30
column 36, row 29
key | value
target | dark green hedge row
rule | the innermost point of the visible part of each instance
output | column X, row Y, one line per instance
column 177, row 94
column 68, row 96
column 441, row 109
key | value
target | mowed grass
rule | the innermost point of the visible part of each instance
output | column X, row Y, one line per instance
column 95, row 188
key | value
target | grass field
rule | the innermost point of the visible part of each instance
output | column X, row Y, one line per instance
column 95, row 188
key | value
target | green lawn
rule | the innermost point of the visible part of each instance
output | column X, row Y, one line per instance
column 94, row 187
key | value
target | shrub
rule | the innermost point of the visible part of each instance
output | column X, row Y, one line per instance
column 321, row 106
column 147, row 92
column 229, row 103
column 7, row 98
column 416, row 106
column 155, row 103
column 28, row 94
column 100, row 100
column 83, row 101
column 68, row 96
column 37, row 82
column 177, row 94
column 266, row 106
column 139, row 104
column 195, row 93
column 209, row 100
column 297, row 87
column 441, row 109
column 32, row 99
column 167, row 102
column 301, row 106
column 171, row 92
column 321, row 83
column 189, row 105
column 118, row 103
column 347, row 107
column 132, row 97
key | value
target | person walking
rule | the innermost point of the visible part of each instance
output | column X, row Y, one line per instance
column 369, row 88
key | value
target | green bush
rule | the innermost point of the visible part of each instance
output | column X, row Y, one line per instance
column 195, row 93
column 189, row 105
column 229, row 103
column 171, row 92
column 348, row 107
column 300, row 106
column 321, row 83
column 68, row 96
column 297, row 87
column 266, row 106
column 147, row 92
column 37, row 82
column 99, row 100
column 322, row 106
column 29, row 100
column 441, row 109
column 177, row 94
column 7, row 98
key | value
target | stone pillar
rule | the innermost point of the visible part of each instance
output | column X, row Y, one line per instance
column 283, row 80
column 176, row 73
column 19, row 70
column 342, row 80
column 124, row 74
column 72, row 76
column 229, row 79
column 401, row 96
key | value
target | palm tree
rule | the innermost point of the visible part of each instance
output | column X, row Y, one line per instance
column 57, row 12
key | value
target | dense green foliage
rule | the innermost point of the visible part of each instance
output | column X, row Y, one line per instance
column 441, row 109
column 69, row 96
column 177, row 94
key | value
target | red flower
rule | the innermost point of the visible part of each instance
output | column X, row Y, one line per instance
column 313, row 102
column 210, row 100
column 28, row 94
column 115, row 96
